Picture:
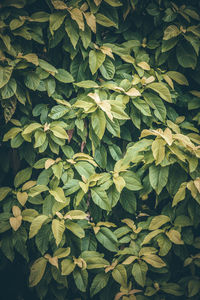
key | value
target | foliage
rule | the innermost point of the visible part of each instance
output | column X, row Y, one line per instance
column 100, row 147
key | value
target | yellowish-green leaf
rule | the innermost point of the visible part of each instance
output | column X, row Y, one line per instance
column 158, row 221
column 58, row 228
column 37, row 271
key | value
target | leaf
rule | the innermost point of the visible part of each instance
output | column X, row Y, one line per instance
column 67, row 266
column 47, row 67
column 98, row 120
column 58, row 194
column 58, row 111
column 22, row 198
column 193, row 287
column 15, row 222
column 32, row 81
column 59, row 132
column 139, row 271
column 76, row 15
column 170, row 32
column 105, row 21
column 32, row 127
column 81, row 279
column 96, row 59
column 178, row 77
column 108, row 239
column 175, row 237
column 36, row 225
column 158, row 221
column 73, row 32
column 58, row 228
column 158, row 149
column 98, row 283
column 64, row 76
column 4, row 191
column 75, row 229
column 119, row 274
column 37, row 271
column 75, row 215
column 55, row 21
column 9, row 89
column 100, row 198
column 5, row 74
column 107, row 69
column 151, row 235
column 132, row 181
column 87, row 84
column 180, row 195
column 91, row 21
column 186, row 55
column 158, row 177
column 119, row 183
column 154, row 260
column 22, row 176
column 161, row 89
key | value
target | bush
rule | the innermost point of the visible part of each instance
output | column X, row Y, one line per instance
column 100, row 148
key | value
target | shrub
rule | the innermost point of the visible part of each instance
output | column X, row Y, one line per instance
column 99, row 151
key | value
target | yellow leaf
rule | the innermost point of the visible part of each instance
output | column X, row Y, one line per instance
column 158, row 149
column 15, row 222
column 22, row 197
column 16, row 211
column 154, row 260
column 91, row 21
column 106, row 50
column 28, row 185
column 133, row 92
column 77, row 16
column 145, row 66
column 49, row 162
column 169, row 81
column 175, row 237
column 197, row 183
column 119, row 183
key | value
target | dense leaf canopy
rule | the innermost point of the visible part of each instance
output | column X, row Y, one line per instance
column 99, row 149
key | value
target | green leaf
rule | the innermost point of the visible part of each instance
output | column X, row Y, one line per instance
column 58, row 228
column 58, row 194
column 36, row 225
column 9, row 89
column 193, row 287
column 55, row 21
column 172, row 288
column 178, row 77
column 171, row 32
column 5, row 74
column 108, row 239
column 180, row 195
column 37, row 271
column 161, row 89
column 107, row 69
column 105, row 21
column 98, row 123
column 58, row 111
column 139, row 271
column 158, row 177
column 120, row 275
column 32, row 81
column 96, row 59
column 132, row 181
column 87, row 84
column 154, row 260
column 73, row 32
column 22, row 176
column 67, row 266
column 59, row 132
column 98, row 283
column 100, row 198
column 186, row 55
column 4, row 191
column 81, row 279
column 158, row 149
column 75, row 229
column 64, row 76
